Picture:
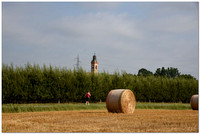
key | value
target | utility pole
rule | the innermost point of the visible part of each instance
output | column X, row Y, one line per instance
column 77, row 63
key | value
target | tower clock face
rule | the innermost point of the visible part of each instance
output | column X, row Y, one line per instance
column 94, row 67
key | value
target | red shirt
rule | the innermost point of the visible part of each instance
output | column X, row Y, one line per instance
column 88, row 95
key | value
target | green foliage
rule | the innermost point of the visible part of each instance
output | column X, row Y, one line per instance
column 169, row 72
column 187, row 76
column 35, row 84
column 144, row 72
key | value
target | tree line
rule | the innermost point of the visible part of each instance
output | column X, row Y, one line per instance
column 169, row 72
column 47, row 84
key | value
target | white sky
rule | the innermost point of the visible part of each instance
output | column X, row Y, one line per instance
column 124, row 35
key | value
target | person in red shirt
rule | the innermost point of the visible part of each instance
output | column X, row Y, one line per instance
column 87, row 98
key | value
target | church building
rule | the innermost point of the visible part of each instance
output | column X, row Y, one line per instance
column 94, row 65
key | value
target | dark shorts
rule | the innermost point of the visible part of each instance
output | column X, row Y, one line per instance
column 87, row 99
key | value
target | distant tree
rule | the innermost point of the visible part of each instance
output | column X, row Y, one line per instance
column 144, row 72
column 158, row 72
column 187, row 76
column 173, row 72
column 169, row 72
column 163, row 72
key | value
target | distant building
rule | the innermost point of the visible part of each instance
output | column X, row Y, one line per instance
column 94, row 64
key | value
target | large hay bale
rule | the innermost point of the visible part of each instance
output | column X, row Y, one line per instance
column 121, row 101
column 194, row 102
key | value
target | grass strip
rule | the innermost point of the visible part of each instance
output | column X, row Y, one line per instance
column 171, row 106
column 18, row 108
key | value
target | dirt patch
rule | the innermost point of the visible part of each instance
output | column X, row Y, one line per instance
column 102, row 121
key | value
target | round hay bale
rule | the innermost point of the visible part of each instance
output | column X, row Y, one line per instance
column 120, row 101
column 194, row 102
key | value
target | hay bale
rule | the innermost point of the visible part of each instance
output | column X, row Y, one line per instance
column 194, row 102
column 121, row 101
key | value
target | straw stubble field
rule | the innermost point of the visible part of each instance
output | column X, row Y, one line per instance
column 102, row 121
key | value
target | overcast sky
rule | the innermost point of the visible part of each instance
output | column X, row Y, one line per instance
column 125, row 36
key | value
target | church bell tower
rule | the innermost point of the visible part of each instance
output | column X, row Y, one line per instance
column 94, row 65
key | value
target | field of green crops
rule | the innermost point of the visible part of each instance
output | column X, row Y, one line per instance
column 17, row 108
column 35, row 84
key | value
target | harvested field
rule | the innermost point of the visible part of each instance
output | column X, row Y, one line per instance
column 102, row 121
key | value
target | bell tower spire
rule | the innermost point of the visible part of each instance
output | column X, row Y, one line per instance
column 94, row 64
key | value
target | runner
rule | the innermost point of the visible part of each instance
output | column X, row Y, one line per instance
column 87, row 98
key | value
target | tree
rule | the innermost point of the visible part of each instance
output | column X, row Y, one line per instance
column 158, row 72
column 169, row 72
column 187, row 76
column 35, row 84
column 144, row 72
column 172, row 72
